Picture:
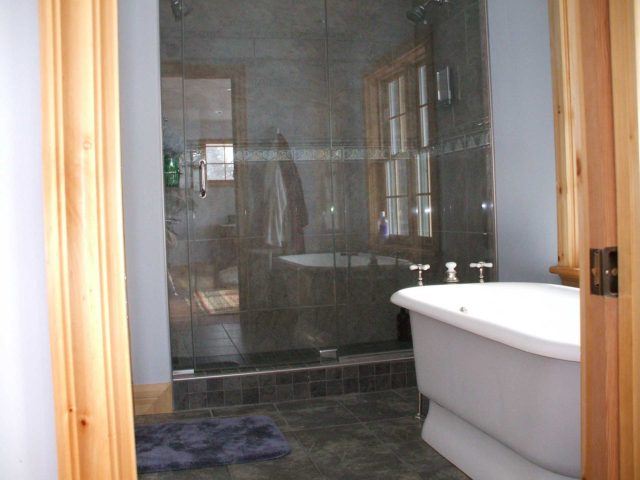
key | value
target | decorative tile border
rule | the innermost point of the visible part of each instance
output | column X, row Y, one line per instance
column 301, row 384
column 466, row 141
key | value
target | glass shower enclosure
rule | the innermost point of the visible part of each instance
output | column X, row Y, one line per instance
column 314, row 150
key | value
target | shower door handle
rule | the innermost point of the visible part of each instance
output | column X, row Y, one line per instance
column 203, row 178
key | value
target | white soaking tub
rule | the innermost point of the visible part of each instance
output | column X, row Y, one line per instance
column 500, row 363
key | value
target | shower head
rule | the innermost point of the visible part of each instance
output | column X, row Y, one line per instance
column 178, row 9
column 419, row 13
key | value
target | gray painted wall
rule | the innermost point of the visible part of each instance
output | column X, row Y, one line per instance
column 27, row 436
column 143, row 191
column 524, row 145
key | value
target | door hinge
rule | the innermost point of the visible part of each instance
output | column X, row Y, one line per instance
column 604, row 271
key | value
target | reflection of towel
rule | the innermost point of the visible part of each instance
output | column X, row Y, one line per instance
column 286, row 209
column 276, row 206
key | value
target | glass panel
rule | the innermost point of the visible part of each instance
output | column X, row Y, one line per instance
column 402, row 107
column 256, row 102
column 176, row 199
column 228, row 172
column 392, row 213
column 422, row 85
column 396, row 135
column 403, row 215
column 394, row 98
column 390, row 175
column 401, row 176
column 422, row 173
column 289, row 257
column 228, row 154
column 215, row 154
column 424, row 126
column 424, row 215
column 215, row 171
column 398, row 213
column 366, row 46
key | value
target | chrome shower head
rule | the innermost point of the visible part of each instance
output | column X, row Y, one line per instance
column 178, row 9
column 419, row 13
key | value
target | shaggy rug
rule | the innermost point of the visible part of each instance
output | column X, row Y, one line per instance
column 208, row 443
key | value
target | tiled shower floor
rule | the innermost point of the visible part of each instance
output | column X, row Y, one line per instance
column 364, row 436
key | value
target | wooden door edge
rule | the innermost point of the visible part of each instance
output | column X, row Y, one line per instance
column 84, row 240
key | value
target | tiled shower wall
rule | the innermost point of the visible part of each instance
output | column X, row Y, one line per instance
column 303, row 63
column 464, row 156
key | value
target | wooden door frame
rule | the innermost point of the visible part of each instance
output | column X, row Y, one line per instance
column 625, row 61
column 84, row 239
column 85, row 248
column 596, row 109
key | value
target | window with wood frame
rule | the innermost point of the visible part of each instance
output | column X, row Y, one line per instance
column 565, row 73
column 399, row 115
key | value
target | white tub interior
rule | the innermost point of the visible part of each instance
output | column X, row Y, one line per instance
column 537, row 318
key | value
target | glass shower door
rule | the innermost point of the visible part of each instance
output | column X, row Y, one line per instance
column 212, row 138
column 257, row 229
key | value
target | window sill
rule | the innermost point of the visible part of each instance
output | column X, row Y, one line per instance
column 570, row 276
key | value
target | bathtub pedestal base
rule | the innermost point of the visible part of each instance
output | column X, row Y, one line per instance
column 476, row 453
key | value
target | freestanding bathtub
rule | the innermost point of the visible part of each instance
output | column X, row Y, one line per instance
column 500, row 364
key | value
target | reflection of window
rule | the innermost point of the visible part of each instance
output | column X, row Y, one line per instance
column 219, row 158
column 423, row 105
column 400, row 109
column 400, row 195
column 397, row 115
column 423, row 194
column 397, row 200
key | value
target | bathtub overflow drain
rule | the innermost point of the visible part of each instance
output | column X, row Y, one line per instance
column 463, row 309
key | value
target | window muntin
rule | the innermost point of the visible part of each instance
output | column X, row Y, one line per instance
column 219, row 158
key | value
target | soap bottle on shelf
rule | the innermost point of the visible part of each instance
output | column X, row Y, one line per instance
column 383, row 225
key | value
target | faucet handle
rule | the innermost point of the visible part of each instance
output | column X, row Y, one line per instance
column 481, row 266
column 451, row 276
column 420, row 268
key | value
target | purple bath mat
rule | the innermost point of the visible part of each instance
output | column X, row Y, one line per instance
column 208, row 443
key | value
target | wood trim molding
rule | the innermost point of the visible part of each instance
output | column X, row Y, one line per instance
column 153, row 398
column 625, row 51
column 564, row 76
column 589, row 39
column 84, row 240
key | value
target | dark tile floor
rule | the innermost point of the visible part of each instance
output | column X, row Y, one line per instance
column 362, row 436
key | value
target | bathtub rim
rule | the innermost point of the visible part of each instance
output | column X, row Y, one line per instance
column 510, row 337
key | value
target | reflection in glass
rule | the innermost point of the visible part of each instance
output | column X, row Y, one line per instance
column 397, row 115
column 313, row 120
column 422, row 173
column 219, row 158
